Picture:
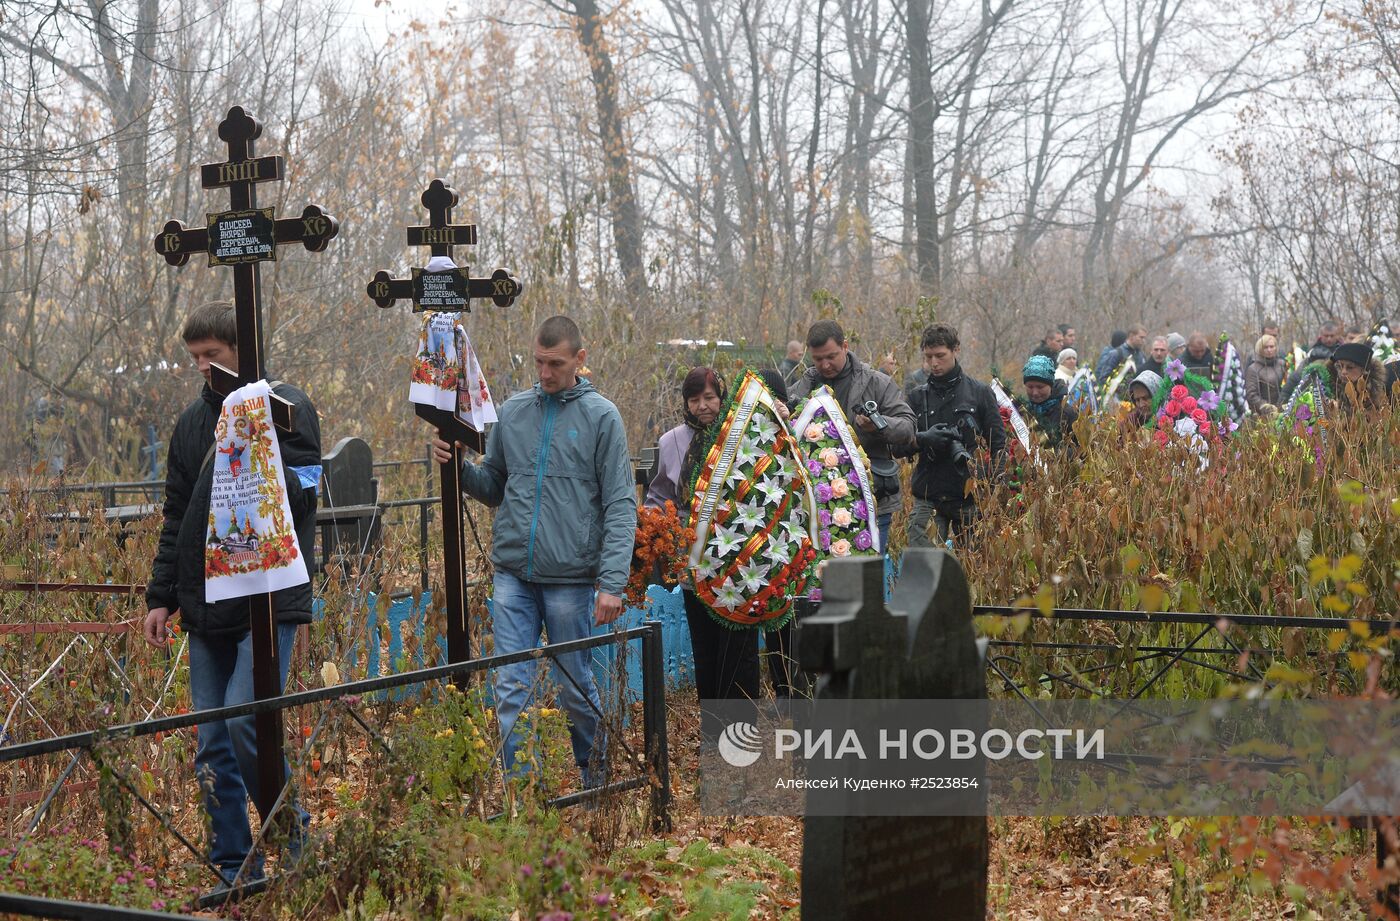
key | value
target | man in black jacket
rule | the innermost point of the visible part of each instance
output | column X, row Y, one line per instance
column 953, row 414
column 221, row 655
column 858, row 387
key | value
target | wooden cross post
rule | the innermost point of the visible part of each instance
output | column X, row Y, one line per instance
column 243, row 237
column 449, row 291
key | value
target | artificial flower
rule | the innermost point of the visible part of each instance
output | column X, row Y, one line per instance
column 1179, row 392
column 1175, row 369
column 840, row 489
column 823, row 492
column 824, row 517
column 824, row 537
column 841, row 547
column 842, row 517
column 830, row 458
column 728, row 596
column 749, row 516
column 860, row 509
column 864, row 541
column 813, row 432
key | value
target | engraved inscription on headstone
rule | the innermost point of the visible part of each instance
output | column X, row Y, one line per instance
column 242, row 236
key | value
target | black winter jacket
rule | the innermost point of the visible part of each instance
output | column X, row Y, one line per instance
column 177, row 578
column 956, row 399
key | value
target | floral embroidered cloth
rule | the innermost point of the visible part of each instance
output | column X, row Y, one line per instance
column 841, row 482
column 474, row 404
column 251, row 543
column 753, row 514
column 438, row 364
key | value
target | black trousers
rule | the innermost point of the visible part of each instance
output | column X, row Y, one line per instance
column 726, row 662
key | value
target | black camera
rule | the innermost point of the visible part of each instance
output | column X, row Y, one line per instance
column 942, row 441
column 872, row 409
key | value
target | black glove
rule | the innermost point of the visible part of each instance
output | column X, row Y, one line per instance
column 937, row 439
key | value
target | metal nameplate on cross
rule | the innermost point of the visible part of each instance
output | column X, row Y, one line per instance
column 242, row 237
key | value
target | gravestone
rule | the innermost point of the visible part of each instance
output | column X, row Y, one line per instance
column 447, row 291
column 349, row 512
column 920, row 647
column 244, row 237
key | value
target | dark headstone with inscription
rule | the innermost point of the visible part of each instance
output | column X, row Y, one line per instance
column 920, row 646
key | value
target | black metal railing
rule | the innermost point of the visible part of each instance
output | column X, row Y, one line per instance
column 652, row 769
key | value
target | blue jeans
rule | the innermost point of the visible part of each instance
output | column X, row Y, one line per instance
column 882, row 521
column 226, row 760
column 520, row 611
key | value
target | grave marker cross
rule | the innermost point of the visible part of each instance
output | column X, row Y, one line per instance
column 242, row 238
column 449, row 291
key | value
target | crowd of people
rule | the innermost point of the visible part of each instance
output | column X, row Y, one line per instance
column 557, row 469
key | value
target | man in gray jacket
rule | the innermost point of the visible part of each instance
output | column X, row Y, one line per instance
column 873, row 402
column 557, row 467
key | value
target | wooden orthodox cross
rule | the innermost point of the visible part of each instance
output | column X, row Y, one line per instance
column 451, row 291
column 242, row 238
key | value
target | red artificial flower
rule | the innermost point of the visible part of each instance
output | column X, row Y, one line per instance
column 1172, row 409
column 1204, row 427
column 1179, row 392
column 1199, row 415
column 1189, row 404
column 1160, row 437
column 1164, row 423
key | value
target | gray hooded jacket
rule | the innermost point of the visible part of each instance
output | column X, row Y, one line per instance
column 557, row 467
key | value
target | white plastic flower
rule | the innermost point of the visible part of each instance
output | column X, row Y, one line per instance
column 726, row 541
column 709, row 567
column 728, row 596
column 1185, row 426
column 747, row 454
column 772, row 490
column 737, row 473
column 752, row 577
column 780, row 551
column 748, row 517
column 763, row 428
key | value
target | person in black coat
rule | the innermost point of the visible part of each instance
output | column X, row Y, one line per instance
column 219, row 637
column 954, row 416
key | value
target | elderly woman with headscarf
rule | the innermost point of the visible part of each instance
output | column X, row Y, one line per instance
column 1263, row 379
column 1142, row 391
column 1066, row 365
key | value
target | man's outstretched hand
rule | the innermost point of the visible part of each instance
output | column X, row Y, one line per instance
column 606, row 609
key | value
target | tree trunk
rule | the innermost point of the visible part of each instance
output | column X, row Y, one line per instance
column 626, row 218
column 922, row 114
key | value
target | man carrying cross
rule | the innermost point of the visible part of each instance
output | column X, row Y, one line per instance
column 558, row 469
column 221, row 644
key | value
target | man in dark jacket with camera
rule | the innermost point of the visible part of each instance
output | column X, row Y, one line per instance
column 221, row 646
column 952, row 414
column 873, row 402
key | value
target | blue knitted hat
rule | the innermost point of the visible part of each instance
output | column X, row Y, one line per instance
column 1039, row 368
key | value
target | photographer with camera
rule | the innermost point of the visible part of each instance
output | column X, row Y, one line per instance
column 952, row 413
column 871, row 400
